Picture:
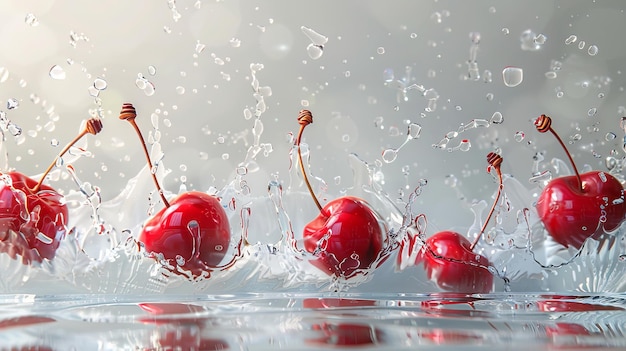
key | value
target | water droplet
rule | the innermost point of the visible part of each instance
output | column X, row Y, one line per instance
column 315, row 51
column 54, row 142
column 151, row 70
column 551, row 75
column 93, row 91
column 225, row 156
column 315, row 37
column 234, row 42
column 540, row 39
column 414, row 131
column 592, row 112
column 199, row 47
column 100, row 84
column 496, row 118
column 31, row 20
column 512, row 76
column 519, row 136
column 571, row 39
column 465, row 145
column 180, row 90
column 390, row 155
column 610, row 136
column 527, row 40
column 487, row 76
column 505, row 31
column 380, row 50
column 57, row 72
column 592, row 50
column 581, row 44
column 378, row 122
column 12, row 104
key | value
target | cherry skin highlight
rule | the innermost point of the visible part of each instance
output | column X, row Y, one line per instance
column 448, row 256
column 33, row 216
column 33, row 229
column 449, row 262
column 574, row 208
column 192, row 230
column 194, row 227
column 346, row 236
column 571, row 215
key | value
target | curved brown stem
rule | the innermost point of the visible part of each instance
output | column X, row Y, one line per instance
column 495, row 161
column 93, row 126
column 544, row 124
column 304, row 119
column 128, row 113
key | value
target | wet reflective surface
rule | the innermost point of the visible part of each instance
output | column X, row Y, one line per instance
column 309, row 322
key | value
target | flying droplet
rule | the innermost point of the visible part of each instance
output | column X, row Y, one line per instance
column 57, row 72
column 315, row 37
column 390, row 155
column 592, row 112
column 519, row 136
column 592, row 50
column 12, row 104
column 100, row 84
column 31, row 20
column 610, row 136
column 315, row 51
column 571, row 39
column 414, row 130
column 512, row 76
column 497, row 118
column 234, row 42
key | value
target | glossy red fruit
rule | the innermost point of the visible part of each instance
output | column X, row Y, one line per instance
column 571, row 214
column 450, row 263
column 346, row 237
column 574, row 208
column 32, row 222
column 193, row 232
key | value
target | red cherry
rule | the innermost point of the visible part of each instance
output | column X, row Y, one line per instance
column 34, row 231
column 448, row 256
column 192, row 231
column 347, row 236
column 574, row 208
column 194, row 227
column 33, row 216
column 451, row 264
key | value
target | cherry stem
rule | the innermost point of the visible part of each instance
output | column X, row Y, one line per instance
column 304, row 119
column 495, row 161
column 128, row 113
column 92, row 126
column 544, row 124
